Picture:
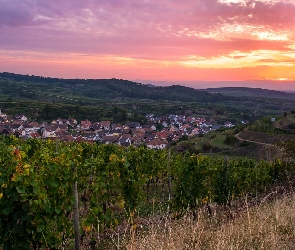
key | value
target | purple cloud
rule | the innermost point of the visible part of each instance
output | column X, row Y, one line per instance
column 15, row 13
column 151, row 29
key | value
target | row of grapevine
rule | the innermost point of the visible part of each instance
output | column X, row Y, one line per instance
column 115, row 184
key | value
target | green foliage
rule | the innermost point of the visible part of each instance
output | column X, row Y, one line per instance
column 184, row 138
column 114, row 184
column 206, row 146
column 230, row 140
column 263, row 125
column 159, row 126
column 34, row 199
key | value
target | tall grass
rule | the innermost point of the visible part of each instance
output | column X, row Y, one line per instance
column 267, row 226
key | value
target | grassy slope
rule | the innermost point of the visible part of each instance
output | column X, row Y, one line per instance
column 218, row 148
column 255, row 139
column 271, row 225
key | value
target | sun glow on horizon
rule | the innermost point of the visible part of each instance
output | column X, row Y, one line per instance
column 238, row 59
column 280, row 79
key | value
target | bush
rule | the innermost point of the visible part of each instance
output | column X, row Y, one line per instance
column 230, row 140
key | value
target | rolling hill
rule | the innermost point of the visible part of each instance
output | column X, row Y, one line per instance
column 33, row 86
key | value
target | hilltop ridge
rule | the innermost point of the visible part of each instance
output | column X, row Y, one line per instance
column 252, row 92
column 103, row 89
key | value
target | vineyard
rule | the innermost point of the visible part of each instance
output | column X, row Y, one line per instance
column 53, row 192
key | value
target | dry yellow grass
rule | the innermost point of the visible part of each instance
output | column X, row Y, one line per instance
column 268, row 226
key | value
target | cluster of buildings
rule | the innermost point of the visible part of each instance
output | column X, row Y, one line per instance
column 157, row 134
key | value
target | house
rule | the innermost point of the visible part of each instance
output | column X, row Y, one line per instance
column 85, row 125
column 194, row 132
column 126, row 136
column 164, row 124
column 48, row 132
column 173, row 128
column 96, row 127
column 148, row 137
column 134, row 125
column 99, row 126
column 153, row 128
column 215, row 127
column 115, row 132
column 228, row 125
column 139, row 131
column 31, row 127
column 17, row 122
column 182, row 118
column 90, row 136
column 124, row 141
column 34, row 135
column 105, row 125
column 80, row 139
column 157, row 144
column 3, row 116
column 150, row 117
column 137, row 141
column 58, row 127
column 205, row 130
column 72, row 122
column 43, row 125
column 15, row 127
column 28, row 128
column 138, row 136
column 20, row 117
column 61, row 121
column 184, row 127
column 126, row 130
column 61, row 133
column 67, row 138
column 34, row 125
column 5, row 131
column 190, row 119
column 2, row 120
column 110, row 139
column 161, row 135
column 133, row 131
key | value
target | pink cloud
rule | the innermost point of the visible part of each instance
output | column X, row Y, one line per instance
column 168, row 30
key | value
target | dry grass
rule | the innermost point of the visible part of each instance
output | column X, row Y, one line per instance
column 268, row 226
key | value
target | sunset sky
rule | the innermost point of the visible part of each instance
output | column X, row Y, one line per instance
column 179, row 41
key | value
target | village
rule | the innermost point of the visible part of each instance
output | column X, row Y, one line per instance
column 156, row 134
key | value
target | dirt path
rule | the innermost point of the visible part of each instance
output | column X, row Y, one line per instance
column 260, row 143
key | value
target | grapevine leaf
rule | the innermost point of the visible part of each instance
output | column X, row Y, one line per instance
column 54, row 184
column 57, row 210
column 21, row 189
column 6, row 210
